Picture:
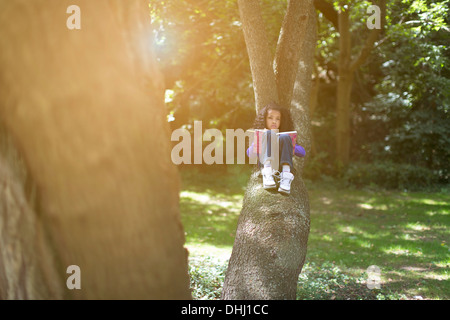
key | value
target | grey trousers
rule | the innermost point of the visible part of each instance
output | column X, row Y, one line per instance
column 276, row 149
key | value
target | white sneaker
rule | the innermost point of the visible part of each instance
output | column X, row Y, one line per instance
column 285, row 182
column 268, row 180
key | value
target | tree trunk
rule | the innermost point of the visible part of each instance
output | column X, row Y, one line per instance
column 272, row 232
column 270, row 245
column 82, row 118
column 344, row 89
column 346, row 68
column 301, row 98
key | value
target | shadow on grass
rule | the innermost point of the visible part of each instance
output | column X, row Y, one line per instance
column 211, row 223
column 210, row 204
column 404, row 234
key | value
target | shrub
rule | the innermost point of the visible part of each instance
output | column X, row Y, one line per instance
column 316, row 282
column 206, row 277
column 329, row 282
column 390, row 175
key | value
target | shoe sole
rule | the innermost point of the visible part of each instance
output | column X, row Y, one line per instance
column 270, row 187
column 284, row 191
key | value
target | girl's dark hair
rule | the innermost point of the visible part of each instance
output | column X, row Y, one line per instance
column 286, row 120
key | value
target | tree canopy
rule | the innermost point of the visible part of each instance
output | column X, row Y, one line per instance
column 399, row 102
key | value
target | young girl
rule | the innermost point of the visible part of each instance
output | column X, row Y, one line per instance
column 274, row 117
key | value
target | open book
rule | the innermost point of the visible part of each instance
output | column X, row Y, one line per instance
column 259, row 133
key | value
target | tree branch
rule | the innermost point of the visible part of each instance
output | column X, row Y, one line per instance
column 328, row 11
column 287, row 55
column 259, row 53
column 365, row 51
column 344, row 39
column 369, row 44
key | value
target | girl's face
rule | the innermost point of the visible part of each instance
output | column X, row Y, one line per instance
column 273, row 119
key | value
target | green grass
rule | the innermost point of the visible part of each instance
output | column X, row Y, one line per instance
column 405, row 234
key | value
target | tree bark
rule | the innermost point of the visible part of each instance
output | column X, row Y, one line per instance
column 272, row 232
column 261, row 60
column 82, row 118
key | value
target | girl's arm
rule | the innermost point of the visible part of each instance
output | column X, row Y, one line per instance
column 249, row 150
column 299, row 151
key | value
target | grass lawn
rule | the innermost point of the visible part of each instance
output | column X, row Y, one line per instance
column 406, row 235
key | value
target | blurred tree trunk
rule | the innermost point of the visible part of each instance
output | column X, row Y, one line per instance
column 347, row 65
column 82, row 119
column 272, row 232
column 344, row 89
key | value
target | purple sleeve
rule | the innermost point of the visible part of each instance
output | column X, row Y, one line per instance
column 299, row 151
column 249, row 150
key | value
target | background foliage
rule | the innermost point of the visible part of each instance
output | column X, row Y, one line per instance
column 399, row 140
column 400, row 99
